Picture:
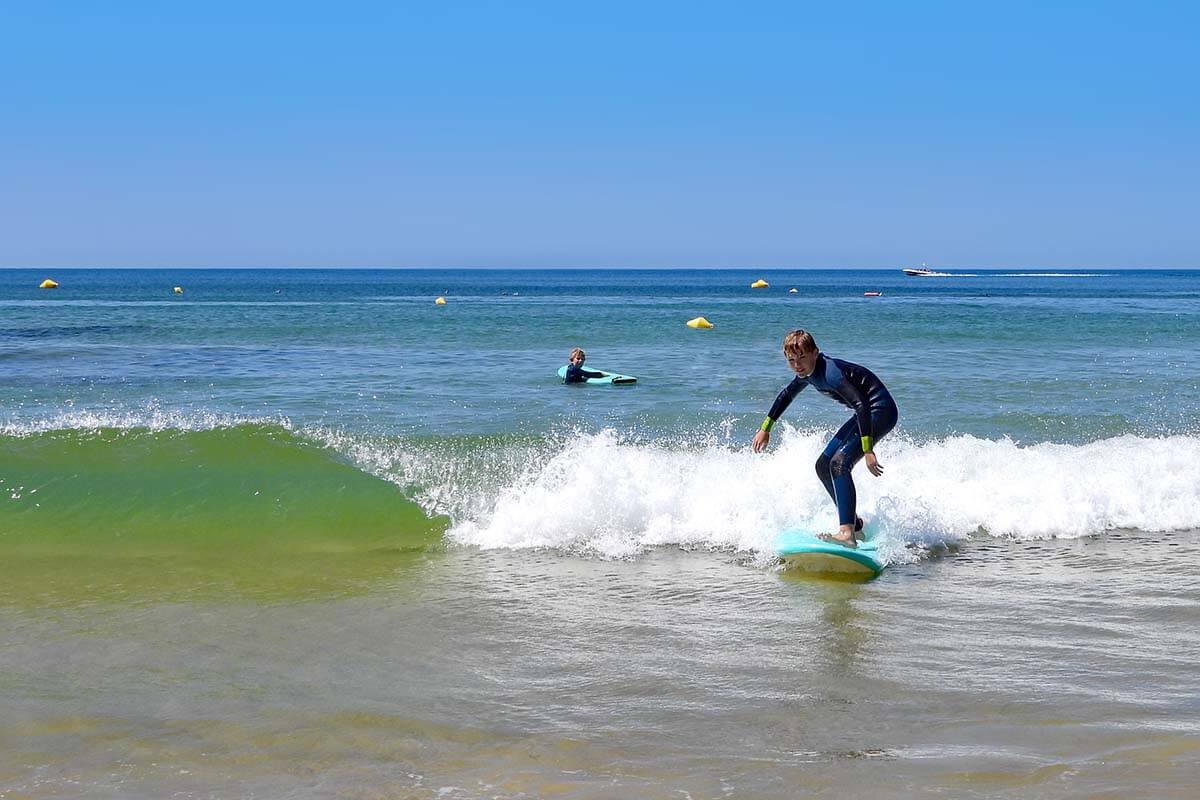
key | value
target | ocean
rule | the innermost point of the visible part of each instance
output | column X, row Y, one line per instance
column 304, row 533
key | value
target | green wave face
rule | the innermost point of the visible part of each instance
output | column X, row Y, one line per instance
column 246, row 509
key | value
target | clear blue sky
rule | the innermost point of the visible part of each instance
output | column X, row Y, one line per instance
column 599, row 134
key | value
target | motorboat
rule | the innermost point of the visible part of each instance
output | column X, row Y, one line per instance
column 924, row 272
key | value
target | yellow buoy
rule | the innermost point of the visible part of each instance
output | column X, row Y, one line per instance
column 441, row 301
column 178, row 290
column 792, row 291
column 48, row 284
column 699, row 322
column 759, row 284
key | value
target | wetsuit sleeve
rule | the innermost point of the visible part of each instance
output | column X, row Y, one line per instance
column 862, row 410
column 781, row 403
column 579, row 374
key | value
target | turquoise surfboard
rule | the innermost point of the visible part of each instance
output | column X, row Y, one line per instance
column 800, row 549
column 609, row 379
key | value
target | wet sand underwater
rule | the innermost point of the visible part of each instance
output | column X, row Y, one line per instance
column 1060, row 668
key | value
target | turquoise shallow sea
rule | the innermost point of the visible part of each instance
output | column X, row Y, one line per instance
column 305, row 533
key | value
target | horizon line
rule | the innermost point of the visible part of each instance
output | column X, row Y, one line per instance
column 589, row 268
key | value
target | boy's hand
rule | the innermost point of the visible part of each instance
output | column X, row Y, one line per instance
column 874, row 465
column 761, row 440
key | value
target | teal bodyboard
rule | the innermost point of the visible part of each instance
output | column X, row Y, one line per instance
column 609, row 379
column 800, row 549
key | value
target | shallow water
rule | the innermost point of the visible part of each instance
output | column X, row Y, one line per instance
column 1004, row 669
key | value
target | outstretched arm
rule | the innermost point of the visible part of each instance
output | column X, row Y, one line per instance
column 782, row 401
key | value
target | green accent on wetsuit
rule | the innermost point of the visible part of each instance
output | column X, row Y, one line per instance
column 866, row 443
column 768, row 423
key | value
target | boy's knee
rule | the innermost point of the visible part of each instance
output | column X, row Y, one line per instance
column 823, row 466
column 840, row 464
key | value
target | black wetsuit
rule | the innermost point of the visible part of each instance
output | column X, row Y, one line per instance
column 875, row 414
column 579, row 374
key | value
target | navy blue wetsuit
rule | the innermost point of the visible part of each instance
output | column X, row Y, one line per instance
column 579, row 374
column 875, row 414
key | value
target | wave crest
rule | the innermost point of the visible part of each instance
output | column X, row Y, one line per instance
column 604, row 493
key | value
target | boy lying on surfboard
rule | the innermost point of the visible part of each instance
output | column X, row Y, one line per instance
column 875, row 415
column 575, row 371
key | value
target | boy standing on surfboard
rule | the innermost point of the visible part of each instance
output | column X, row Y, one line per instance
column 875, row 414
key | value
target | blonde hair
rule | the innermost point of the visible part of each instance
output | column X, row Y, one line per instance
column 798, row 341
column 576, row 352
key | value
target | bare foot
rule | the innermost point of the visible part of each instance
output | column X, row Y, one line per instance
column 844, row 539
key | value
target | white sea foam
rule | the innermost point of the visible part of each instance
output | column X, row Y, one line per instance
column 601, row 493
column 615, row 495
column 150, row 417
